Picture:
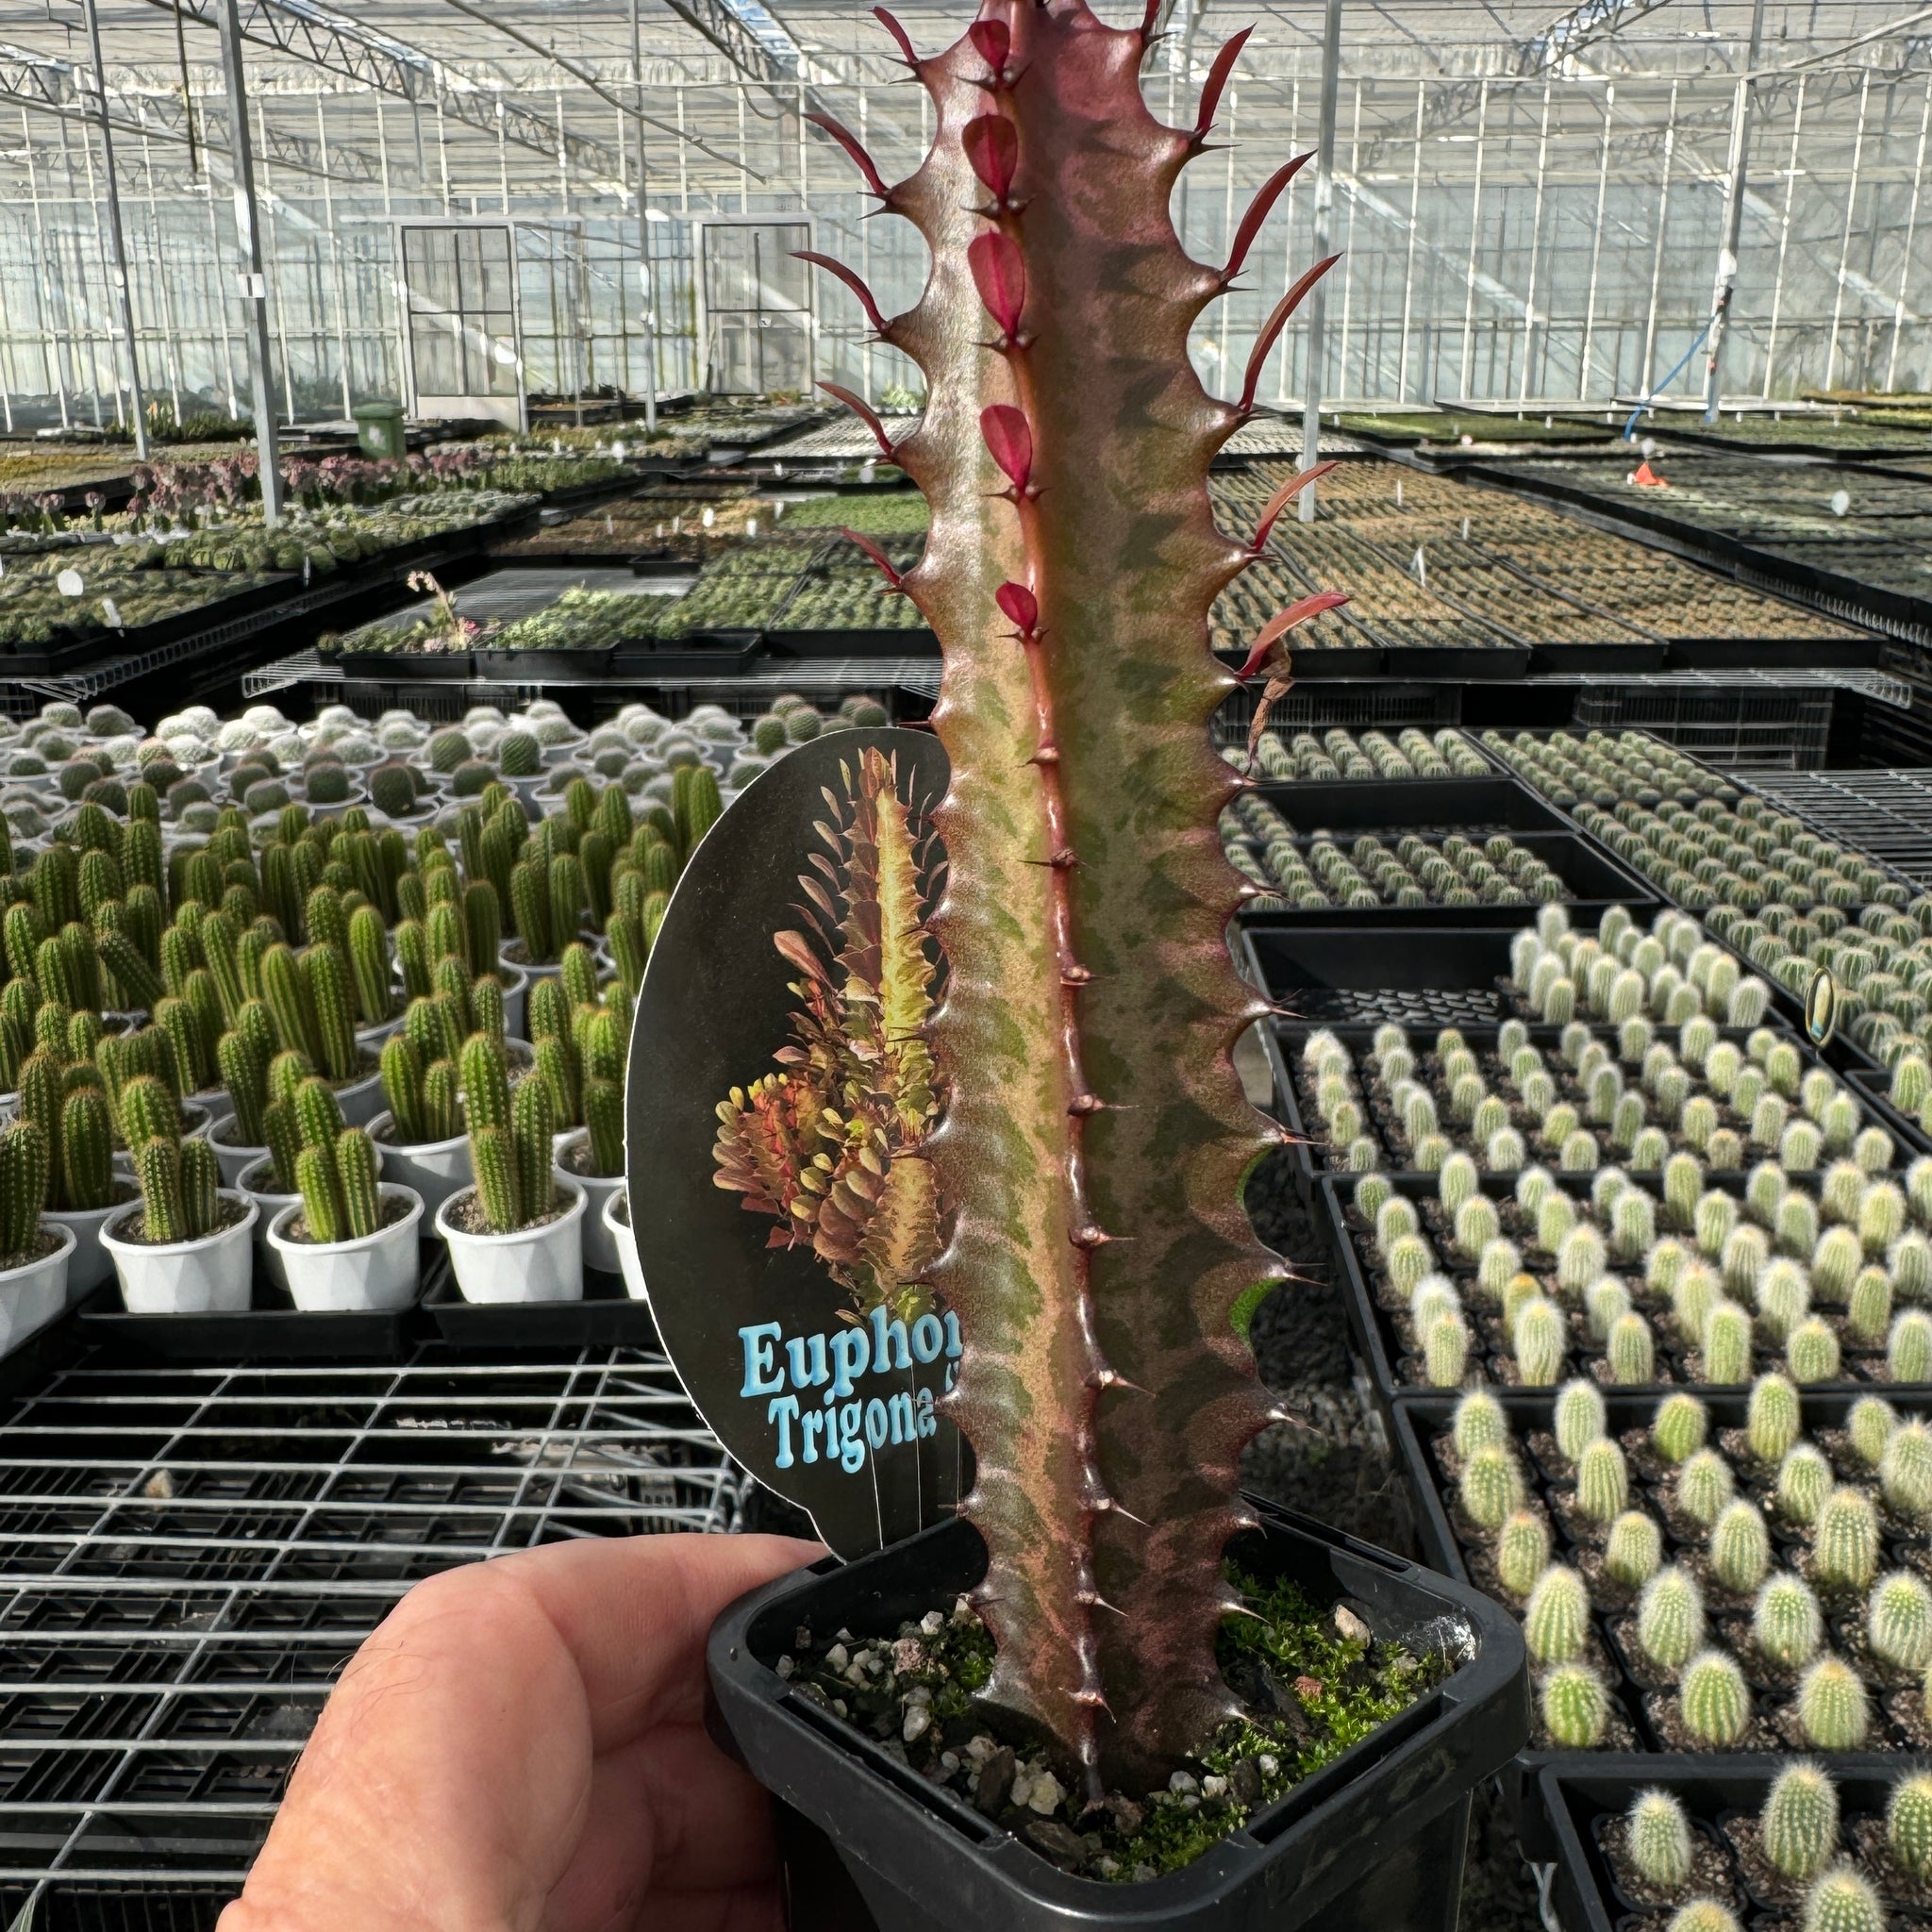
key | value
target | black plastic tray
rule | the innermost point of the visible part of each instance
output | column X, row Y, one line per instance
column 440, row 665
column 1376, row 1336
column 1874, row 1088
column 882, row 641
column 1576, row 1792
column 606, row 1315
column 1415, row 973
column 273, row 1329
column 1498, row 803
column 724, row 653
column 524, row 667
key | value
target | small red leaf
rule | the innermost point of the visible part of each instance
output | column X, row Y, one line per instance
column 865, row 414
column 992, row 147
column 1279, row 626
column 899, row 34
column 854, row 147
column 878, row 556
column 1258, row 214
column 1217, row 80
column 852, row 280
column 999, row 273
column 1021, row 606
column 993, row 42
column 1284, row 496
column 1274, row 324
column 1010, row 440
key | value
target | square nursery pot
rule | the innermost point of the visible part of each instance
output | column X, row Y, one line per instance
column 1373, row 1842
column 534, row 1264
column 374, row 1272
column 213, row 1275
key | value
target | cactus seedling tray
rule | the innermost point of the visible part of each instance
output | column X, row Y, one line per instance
column 273, row 1329
column 905, row 641
column 1420, row 1423
column 1373, row 1842
column 1415, row 975
column 1584, row 1799
column 1431, row 806
column 1874, row 1088
column 718, row 653
column 1395, row 1374
column 444, row 666
column 604, row 1316
column 524, row 667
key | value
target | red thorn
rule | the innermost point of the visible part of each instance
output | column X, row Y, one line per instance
column 1217, row 80
column 865, row 414
column 999, row 273
column 1084, row 1104
column 1279, row 626
column 1283, row 497
column 1020, row 606
column 992, row 149
column 1076, row 975
column 994, row 42
column 1009, row 438
column 1258, row 213
column 878, row 556
column 899, row 34
column 1274, row 324
column 1089, row 1238
column 853, row 146
column 852, row 279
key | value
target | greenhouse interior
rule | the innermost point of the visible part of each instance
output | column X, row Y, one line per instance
column 1266, row 673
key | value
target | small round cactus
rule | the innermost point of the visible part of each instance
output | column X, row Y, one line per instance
column 1714, row 1700
column 1908, row 1352
column 1658, row 1836
column 1580, row 1259
column 1881, row 1216
column 1771, row 1418
column 1871, row 1424
column 1578, row 1417
column 1491, row 1488
column 1909, row 1824
column 1740, row 1547
column 1603, row 1481
column 1679, row 1428
column 1523, row 1551
column 1898, row 1620
column 1714, row 1217
column 1633, row 1225
column 1843, row 1900
column 1556, row 1624
column 1445, row 1350
column 1812, row 1354
column 1844, row 1541
column 1575, row 1707
column 1479, row 1424
column 1664, row 1265
column 1798, row 1826
column 1538, row 1342
column 1372, row 1192
column 1705, row 1484
column 1407, row 1258
column 1395, row 1216
column 1633, row 1550
column 1804, row 1481
column 1835, row 1263
column 1786, row 1622
column 1697, row 1292
column 1477, row 1224
column 1703, row 1915
column 1630, row 1351
column 1868, row 1308
column 1556, row 1216
column 1905, row 1471
column 1670, row 1618
column 1782, row 1293
column 1457, row 1181
column 1909, row 1262
column 1605, row 1301
column 1726, row 1344
column 1834, row 1712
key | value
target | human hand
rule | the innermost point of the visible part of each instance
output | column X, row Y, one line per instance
column 520, row 1747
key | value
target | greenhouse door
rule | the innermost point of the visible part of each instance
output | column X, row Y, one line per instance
column 756, row 307
column 464, row 352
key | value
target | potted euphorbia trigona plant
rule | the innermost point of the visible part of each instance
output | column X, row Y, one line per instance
column 1102, row 1692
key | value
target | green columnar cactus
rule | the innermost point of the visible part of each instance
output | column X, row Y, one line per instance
column 324, row 992
column 1523, row 1551
column 283, row 991
column 1834, row 1712
column 26, row 1170
column 1670, row 1618
column 1905, row 1471
column 245, row 1063
column 1679, row 1428
column 1898, row 1620
column 85, row 1177
column 1658, row 1836
column 320, row 1188
column 1491, row 1486
column 483, row 924
column 1575, row 1707
column 1804, row 1480
column 603, row 1117
column 1633, row 1550
column 1703, row 1485
column 486, row 1006
column 448, row 934
column 1479, row 1424
column 369, row 962
column 1843, row 1901
column 1909, row 1824
column 569, row 900
column 1871, row 1424
column 1772, row 1421
column 1556, row 1624
column 559, row 1070
column 1740, row 1547
column 695, row 804
column 356, row 1170
column 1714, row 1700
column 1578, row 1417
column 1844, row 1541
column 1603, row 1481
column 579, row 976
column 1909, row 1351
column 1726, row 1344
column 533, row 1123
column 1812, row 1353
column 529, row 905
column 1785, row 1621
column 416, row 1102
column 1798, row 1825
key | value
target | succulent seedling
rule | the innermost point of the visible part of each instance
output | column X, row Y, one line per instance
column 1714, row 1699
column 1556, row 1624
column 1670, row 1618
column 1523, row 1551
column 1785, row 1624
column 1798, row 1823
column 1575, row 1706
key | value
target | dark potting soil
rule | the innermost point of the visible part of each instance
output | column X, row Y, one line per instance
column 1312, row 1679
column 1710, row 1873
column 576, row 1161
column 43, row 1243
column 392, row 1212
column 133, row 1228
column 466, row 1214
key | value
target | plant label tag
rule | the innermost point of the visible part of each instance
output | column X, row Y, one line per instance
column 780, row 1091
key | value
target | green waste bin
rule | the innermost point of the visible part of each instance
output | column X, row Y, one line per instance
column 380, row 428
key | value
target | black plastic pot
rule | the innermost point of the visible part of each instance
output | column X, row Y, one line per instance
column 1374, row 1843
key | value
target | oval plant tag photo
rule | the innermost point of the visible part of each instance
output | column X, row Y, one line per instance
column 779, row 1094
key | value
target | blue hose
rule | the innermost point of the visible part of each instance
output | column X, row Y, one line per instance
column 1683, row 362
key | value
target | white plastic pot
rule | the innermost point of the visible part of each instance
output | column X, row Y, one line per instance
column 209, row 1277
column 536, row 1264
column 553, row 970
column 231, row 1157
column 372, row 1037
column 377, row 1271
column 194, row 1126
column 360, row 1100
column 600, row 1251
column 89, row 1264
column 436, row 1170
column 623, row 1239
column 33, row 1295
column 268, row 1202
column 516, row 987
